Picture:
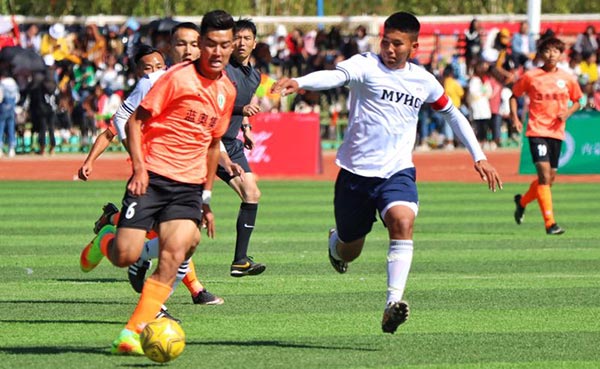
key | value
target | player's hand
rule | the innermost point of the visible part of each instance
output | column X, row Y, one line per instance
column 488, row 174
column 251, row 109
column 85, row 171
column 285, row 86
column 563, row 115
column 248, row 139
column 208, row 220
column 138, row 183
column 517, row 124
column 235, row 170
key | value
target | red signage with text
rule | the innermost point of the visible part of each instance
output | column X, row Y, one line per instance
column 285, row 144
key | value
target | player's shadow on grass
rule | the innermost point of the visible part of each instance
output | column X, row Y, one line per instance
column 91, row 280
column 81, row 302
column 51, row 350
column 54, row 321
column 282, row 344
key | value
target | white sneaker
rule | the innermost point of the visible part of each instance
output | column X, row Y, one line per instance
column 11, row 153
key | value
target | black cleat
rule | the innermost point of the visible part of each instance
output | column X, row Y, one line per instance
column 206, row 298
column 245, row 267
column 519, row 210
column 340, row 266
column 163, row 313
column 554, row 229
column 394, row 314
column 137, row 274
column 108, row 211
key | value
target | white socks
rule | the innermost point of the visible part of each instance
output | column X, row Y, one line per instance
column 399, row 260
column 181, row 272
column 150, row 249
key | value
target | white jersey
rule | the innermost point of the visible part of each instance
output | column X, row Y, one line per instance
column 383, row 113
column 133, row 101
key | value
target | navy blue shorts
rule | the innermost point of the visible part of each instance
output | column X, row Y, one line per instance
column 235, row 150
column 165, row 199
column 357, row 199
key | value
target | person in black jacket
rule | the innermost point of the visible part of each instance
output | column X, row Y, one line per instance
column 42, row 108
column 246, row 78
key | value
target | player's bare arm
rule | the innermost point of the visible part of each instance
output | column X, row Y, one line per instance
column 139, row 180
column 514, row 115
column 100, row 145
column 212, row 161
column 567, row 113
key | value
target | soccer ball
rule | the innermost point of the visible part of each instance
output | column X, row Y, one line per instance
column 162, row 340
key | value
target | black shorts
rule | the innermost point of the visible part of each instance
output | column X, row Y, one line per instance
column 235, row 150
column 545, row 149
column 165, row 199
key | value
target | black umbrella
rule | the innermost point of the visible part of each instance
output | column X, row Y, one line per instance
column 22, row 61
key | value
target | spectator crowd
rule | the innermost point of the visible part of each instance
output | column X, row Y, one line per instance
column 83, row 73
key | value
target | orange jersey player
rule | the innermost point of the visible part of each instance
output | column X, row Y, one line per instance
column 550, row 91
column 173, row 139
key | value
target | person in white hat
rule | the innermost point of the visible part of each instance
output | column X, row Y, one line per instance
column 55, row 44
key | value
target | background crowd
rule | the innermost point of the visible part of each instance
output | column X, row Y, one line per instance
column 60, row 85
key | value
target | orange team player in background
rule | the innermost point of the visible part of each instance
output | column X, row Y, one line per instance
column 550, row 89
column 174, row 143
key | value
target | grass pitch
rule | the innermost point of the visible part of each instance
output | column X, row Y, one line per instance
column 484, row 292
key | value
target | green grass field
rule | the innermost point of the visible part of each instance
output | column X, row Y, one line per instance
column 484, row 292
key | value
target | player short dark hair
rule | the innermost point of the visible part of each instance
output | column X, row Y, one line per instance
column 143, row 50
column 218, row 20
column 551, row 42
column 403, row 22
column 245, row 23
column 185, row 25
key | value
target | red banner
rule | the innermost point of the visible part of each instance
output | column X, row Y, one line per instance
column 285, row 144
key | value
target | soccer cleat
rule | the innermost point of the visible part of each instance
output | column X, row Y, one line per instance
column 164, row 313
column 108, row 211
column 128, row 343
column 246, row 267
column 206, row 298
column 137, row 274
column 554, row 229
column 91, row 255
column 519, row 210
column 394, row 314
column 340, row 266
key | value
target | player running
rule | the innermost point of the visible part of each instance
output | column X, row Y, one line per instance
column 173, row 139
column 550, row 89
column 377, row 173
column 184, row 48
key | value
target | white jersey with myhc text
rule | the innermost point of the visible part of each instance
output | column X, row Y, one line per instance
column 133, row 101
column 383, row 113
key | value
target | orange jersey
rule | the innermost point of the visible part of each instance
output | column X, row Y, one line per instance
column 187, row 111
column 549, row 95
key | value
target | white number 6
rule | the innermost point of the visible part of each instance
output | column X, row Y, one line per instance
column 130, row 210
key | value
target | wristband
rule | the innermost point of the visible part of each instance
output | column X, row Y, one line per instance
column 206, row 196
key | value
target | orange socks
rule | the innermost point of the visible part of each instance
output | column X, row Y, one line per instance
column 191, row 280
column 531, row 194
column 544, row 196
column 154, row 294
